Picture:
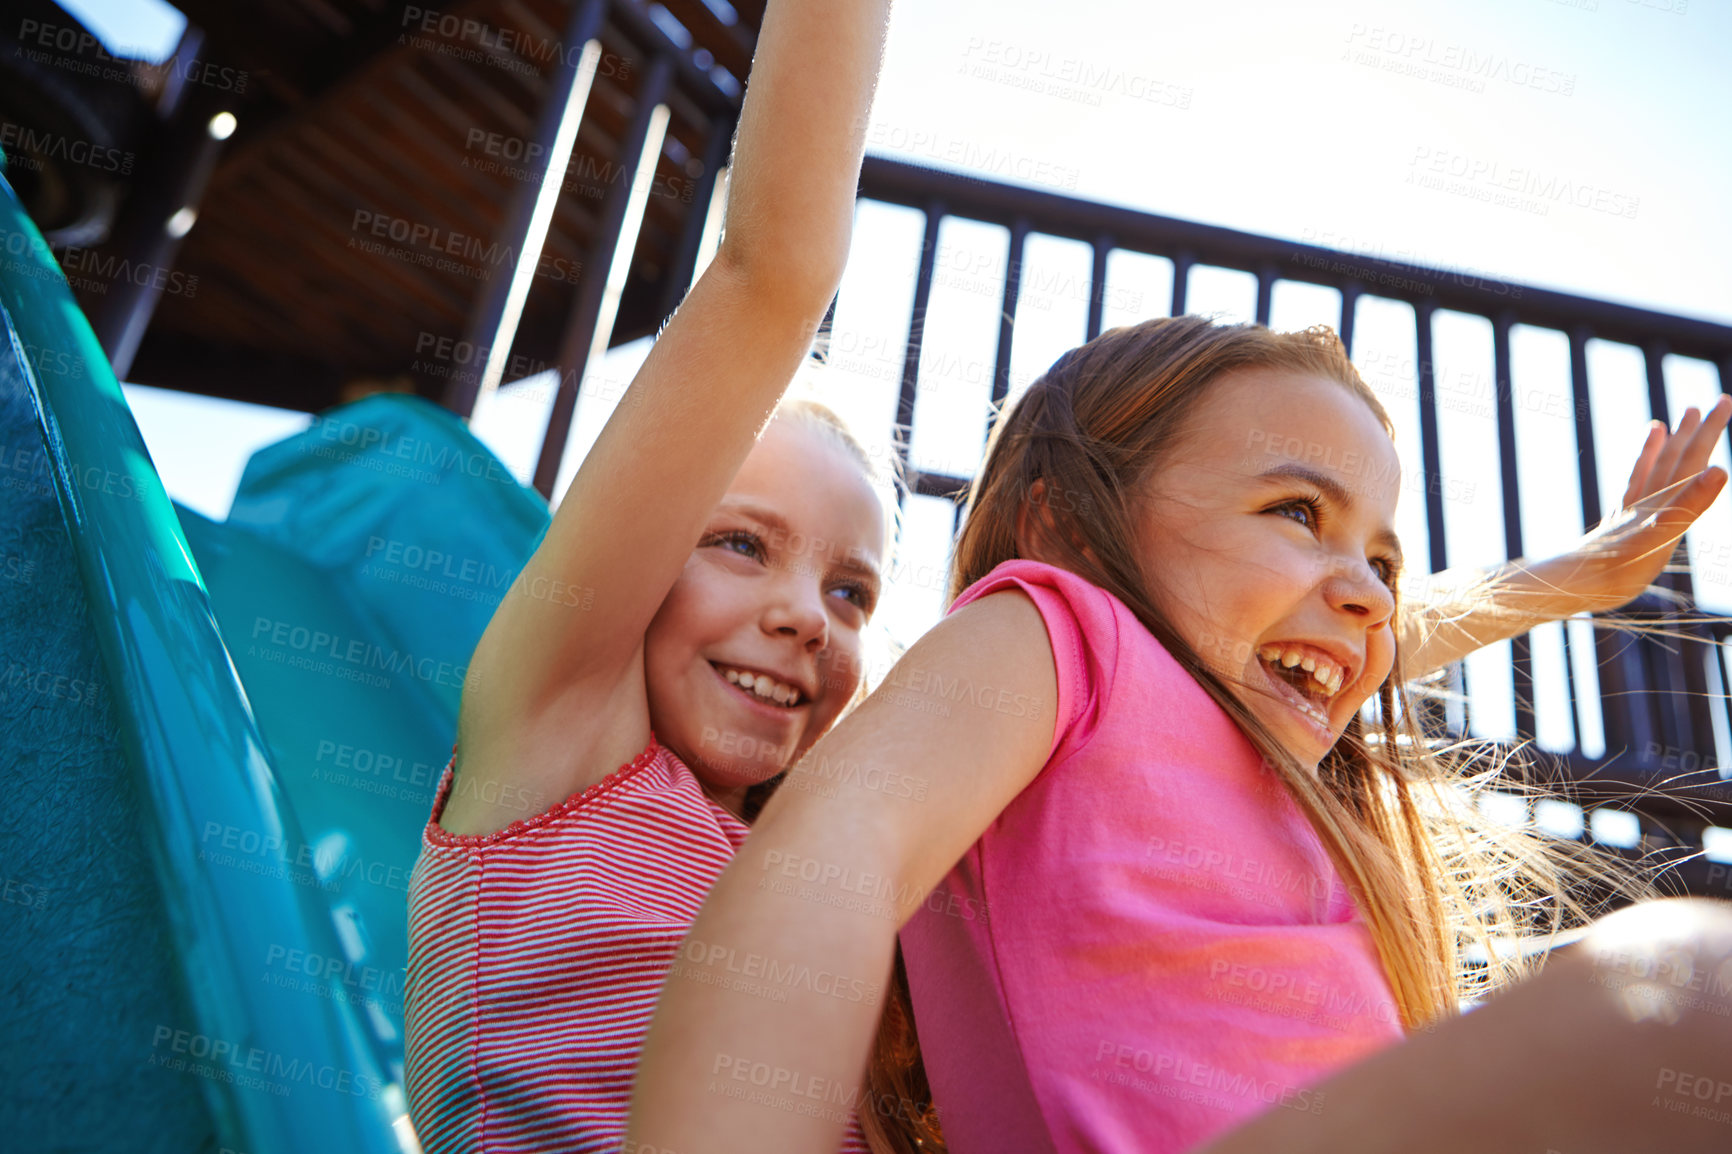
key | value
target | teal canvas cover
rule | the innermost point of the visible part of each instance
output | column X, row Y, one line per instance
column 360, row 562
column 221, row 743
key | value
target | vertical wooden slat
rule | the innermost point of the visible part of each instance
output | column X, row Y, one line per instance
column 1350, row 293
column 916, row 333
column 1103, row 249
column 1266, row 278
column 577, row 343
column 1430, row 447
column 1007, row 321
column 1521, row 647
column 489, row 307
column 1614, row 699
column 1685, row 684
column 1434, row 718
column 685, row 257
column 176, row 169
column 1181, row 280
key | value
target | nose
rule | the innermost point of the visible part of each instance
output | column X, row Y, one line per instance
column 1352, row 586
column 796, row 611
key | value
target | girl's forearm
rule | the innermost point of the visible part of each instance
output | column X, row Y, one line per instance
column 745, row 1053
column 1459, row 611
column 802, row 134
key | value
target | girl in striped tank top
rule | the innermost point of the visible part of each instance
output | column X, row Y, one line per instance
column 691, row 621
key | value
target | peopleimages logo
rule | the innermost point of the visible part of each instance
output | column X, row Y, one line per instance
column 783, row 976
column 438, row 458
column 75, row 50
column 493, row 42
column 1533, row 190
column 101, row 270
column 437, row 562
column 439, row 248
column 353, row 658
column 253, row 1067
column 874, row 894
column 1456, row 65
column 376, row 984
column 27, row 146
column 1182, row 1076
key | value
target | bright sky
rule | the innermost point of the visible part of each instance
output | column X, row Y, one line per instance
column 1392, row 128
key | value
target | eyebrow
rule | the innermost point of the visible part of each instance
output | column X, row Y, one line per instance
column 774, row 520
column 1337, row 493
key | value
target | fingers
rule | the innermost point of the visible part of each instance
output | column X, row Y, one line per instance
column 1687, row 450
column 1694, row 457
column 1638, row 487
column 1665, row 459
column 1666, row 464
column 1701, row 491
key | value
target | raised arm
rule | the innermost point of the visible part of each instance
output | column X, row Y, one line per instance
column 574, row 620
column 1459, row 610
column 865, row 826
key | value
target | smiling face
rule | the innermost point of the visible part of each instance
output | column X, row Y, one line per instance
column 1267, row 538
column 757, row 648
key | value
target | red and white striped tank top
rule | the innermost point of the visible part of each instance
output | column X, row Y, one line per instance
column 536, row 955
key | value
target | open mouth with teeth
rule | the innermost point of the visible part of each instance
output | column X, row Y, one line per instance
column 762, row 687
column 1310, row 680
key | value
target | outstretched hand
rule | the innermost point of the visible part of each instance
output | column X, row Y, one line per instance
column 1462, row 610
column 1670, row 486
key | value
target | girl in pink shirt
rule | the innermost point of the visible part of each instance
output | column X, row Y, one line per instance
column 1163, row 874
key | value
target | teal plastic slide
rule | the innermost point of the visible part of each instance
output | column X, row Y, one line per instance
column 221, row 743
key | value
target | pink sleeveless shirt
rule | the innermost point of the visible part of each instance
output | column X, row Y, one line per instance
column 536, row 955
column 1150, row 944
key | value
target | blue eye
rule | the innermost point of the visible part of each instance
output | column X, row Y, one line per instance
column 858, row 595
column 736, row 541
column 1306, row 505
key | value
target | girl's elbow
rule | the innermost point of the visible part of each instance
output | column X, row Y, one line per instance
column 794, row 279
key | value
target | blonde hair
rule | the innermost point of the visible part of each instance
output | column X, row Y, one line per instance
column 1428, row 872
column 820, row 417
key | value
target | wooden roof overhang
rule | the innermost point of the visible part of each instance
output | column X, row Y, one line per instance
column 352, row 225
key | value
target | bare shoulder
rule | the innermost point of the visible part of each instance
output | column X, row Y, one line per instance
column 516, row 760
column 986, row 662
column 1002, row 627
column 1008, row 612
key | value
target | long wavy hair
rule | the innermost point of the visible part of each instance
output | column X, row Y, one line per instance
column 1394, row 808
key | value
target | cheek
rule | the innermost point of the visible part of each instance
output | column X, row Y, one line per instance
column 699, row 596
column 1264, row 572
column 1379, row 660
column 841, row 672
column 678, row 596
column 843, row 668
column 690, row 618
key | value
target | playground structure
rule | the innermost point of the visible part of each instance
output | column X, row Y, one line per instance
column 224, row 737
